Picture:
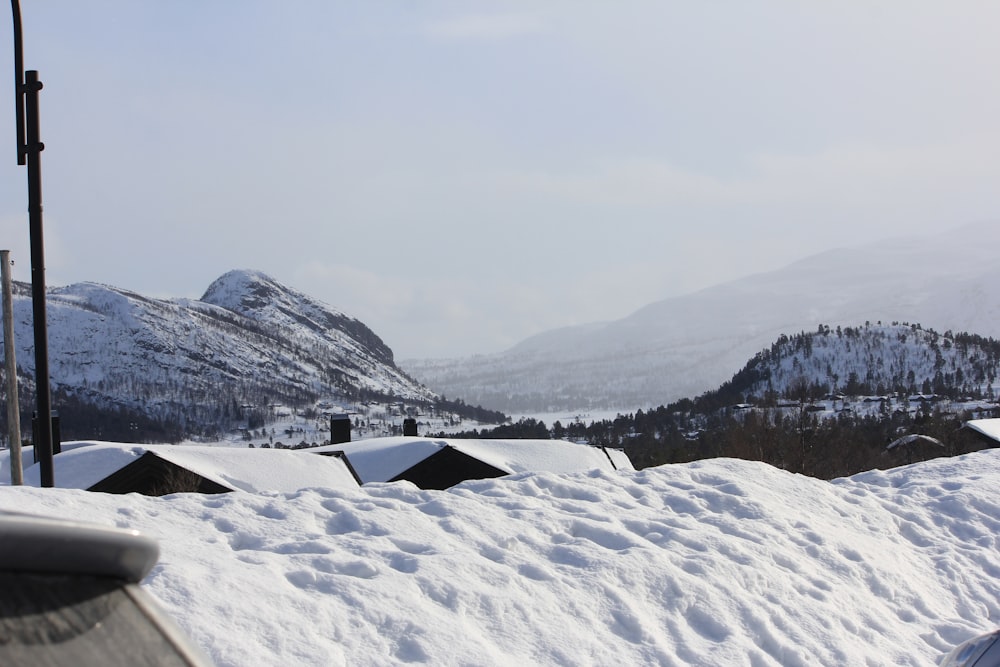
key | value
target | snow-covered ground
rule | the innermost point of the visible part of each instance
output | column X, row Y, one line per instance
column 287, row 427
column 718, row 562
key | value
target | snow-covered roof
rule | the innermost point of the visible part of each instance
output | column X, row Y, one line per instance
column 28, row 456
column 988, row 427
column 253, row 470
column 913, row 438
column 383, row 459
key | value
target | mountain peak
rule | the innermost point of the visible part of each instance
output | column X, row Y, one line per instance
column 242, row 289
column 258, row 296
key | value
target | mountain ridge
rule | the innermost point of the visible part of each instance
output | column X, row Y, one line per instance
column 226, row 359
column 685, row 345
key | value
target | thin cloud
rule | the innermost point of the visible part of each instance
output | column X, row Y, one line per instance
column 484, row 27
column 872, row 174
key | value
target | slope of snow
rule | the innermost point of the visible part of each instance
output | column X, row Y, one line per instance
column 720, row 562
column 683, row 346
column 382, row 459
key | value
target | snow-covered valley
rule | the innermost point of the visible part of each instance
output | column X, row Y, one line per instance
column 683, row 346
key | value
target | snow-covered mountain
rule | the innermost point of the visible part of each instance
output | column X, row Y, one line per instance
column 247, row 344
column 687, row 345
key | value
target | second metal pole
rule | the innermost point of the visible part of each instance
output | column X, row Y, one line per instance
column 33, row 145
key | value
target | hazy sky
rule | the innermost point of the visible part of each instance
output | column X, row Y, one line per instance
column 461, row 175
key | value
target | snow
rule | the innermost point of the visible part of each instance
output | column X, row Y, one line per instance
column 717, row 562
column 536, row 455
column 382, row 459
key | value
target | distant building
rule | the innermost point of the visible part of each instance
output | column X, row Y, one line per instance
column 157, row 470
column 986, row 429
column 443, row 463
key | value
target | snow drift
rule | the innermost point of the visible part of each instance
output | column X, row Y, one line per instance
column 719, row 562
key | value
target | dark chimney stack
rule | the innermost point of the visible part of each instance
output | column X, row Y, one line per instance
column 340, row 429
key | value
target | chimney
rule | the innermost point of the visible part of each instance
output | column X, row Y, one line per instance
column 340, row 429
column 410, row 426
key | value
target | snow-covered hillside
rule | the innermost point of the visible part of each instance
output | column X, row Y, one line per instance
column 248, row 344
column 719, row 562
column 874, row 359
column 687, row 345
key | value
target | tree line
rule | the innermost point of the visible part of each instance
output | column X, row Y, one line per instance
column 767, row 411
column 794, row 440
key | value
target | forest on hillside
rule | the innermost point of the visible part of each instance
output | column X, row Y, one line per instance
column 84, row 417
column 794, row 439
column 828, row 403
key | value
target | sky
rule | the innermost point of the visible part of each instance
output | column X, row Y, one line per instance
column 497, row 168
column 717, row 562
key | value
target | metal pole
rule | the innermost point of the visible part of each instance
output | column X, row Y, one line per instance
column 30, row 148
column 34, row 147
column 10, row 363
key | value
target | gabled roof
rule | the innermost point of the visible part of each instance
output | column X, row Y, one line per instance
column 389, row 459
column 231, row 468
column 989, row 428
column 152, row 475
column 914, row 438
column 446, row 468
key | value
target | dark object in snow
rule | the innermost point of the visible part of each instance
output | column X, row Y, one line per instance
column 71, row 598
column 340, row 429
column 55, row 434
column 151, row 475
column 446, row 468
column 981, row 651
column 410, row 427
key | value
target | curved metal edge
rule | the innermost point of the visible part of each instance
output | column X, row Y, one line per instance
column 41, row 544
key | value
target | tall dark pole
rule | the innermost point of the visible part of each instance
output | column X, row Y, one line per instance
column 29, row 151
